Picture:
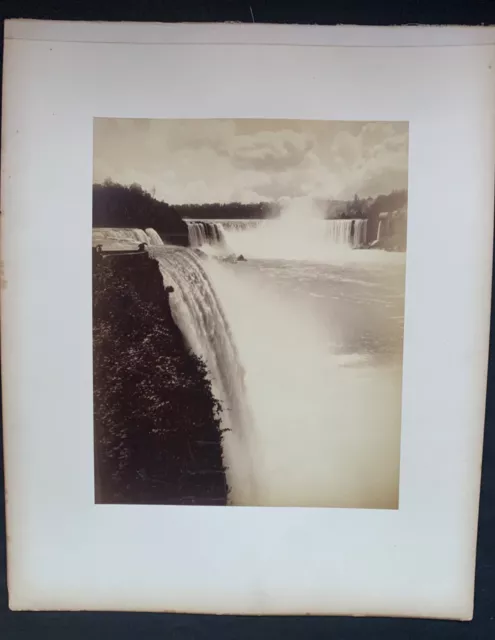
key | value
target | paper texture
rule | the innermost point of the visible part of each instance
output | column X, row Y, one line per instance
column 285, row 116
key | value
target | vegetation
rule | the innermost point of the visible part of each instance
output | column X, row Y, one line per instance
column 230, row 211
column 116, row 205
column 156, row 421
column 367, row 207
column 370, row 209
column 394, row 203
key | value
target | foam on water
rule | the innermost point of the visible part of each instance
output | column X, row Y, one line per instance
column 306, row 425
column 116, row 238
column 326, row 425
column 199, row 314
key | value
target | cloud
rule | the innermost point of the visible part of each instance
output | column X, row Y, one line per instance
column 251, row 161
column 373, row 161
column 270, row 150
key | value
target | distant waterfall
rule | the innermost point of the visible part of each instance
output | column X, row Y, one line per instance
column 349, row 233
column 199, row 315
column 293, row 238
column 205, row 233
column 115, row 238
column 379, row 232
column 360, row 234
column 239, row 236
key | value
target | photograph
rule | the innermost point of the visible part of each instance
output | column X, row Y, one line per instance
column 248, row 280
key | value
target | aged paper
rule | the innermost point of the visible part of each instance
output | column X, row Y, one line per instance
column 245, row 319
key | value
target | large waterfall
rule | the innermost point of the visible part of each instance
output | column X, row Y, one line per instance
column 279, row 337
column 280, row 238
column 199, row 315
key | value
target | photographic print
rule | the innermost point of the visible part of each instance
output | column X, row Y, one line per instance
column 248, row 311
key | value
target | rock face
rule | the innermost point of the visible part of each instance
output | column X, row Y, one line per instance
column 393, row 202
column 156, row 422
column 392, row 231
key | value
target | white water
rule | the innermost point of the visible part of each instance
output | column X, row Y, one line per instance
column 154, row 238
column 290, row 239
column 276, row 239
column 300, row 233
column 115, row 238
column 203, row 233
column 199, row 315
column 326, row 415
column 321, row 241
column 293, row 350
column 379, row 232
column 315, row 419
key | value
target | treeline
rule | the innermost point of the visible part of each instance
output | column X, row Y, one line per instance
column 367, row 207
column 230, row 211
column 395, row 202
column 116, row 205
column 371, row 209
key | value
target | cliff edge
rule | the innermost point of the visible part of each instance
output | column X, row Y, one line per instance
column 156, row 422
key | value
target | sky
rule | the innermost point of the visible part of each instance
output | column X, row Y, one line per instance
column 248, row 161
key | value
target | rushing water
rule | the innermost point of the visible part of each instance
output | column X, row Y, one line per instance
column 321, row 346
column 199, row 314
column 205, row 233
column 303, row 342
column 116, row 238
column 278, row 238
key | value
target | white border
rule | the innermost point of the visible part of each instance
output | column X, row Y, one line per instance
column 247, row 34
column 65, row 552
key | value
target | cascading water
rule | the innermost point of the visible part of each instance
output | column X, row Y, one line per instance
column 301, row 232
column 257, row 238
column 326, row 419
column 379, row 232
column 116, row 238
column 199, row 315
column 319, row 240
column 347, row 233
column 301, row 426
column 203, row 233
column 360, row 233
column 154, row 238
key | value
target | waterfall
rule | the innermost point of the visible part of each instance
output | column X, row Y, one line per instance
column 203, row 233
column 347, row 233
column 360, row 233
column 339, row 231
column 379, row 232
column 200, row 317
column 294, row 238
column 154, row 238
column 254, row 238
column 115, row 238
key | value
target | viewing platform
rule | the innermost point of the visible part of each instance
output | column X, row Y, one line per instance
column 102, row 253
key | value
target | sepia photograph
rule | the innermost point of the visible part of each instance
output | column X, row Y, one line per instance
column 230, row 310
column 248, row 311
